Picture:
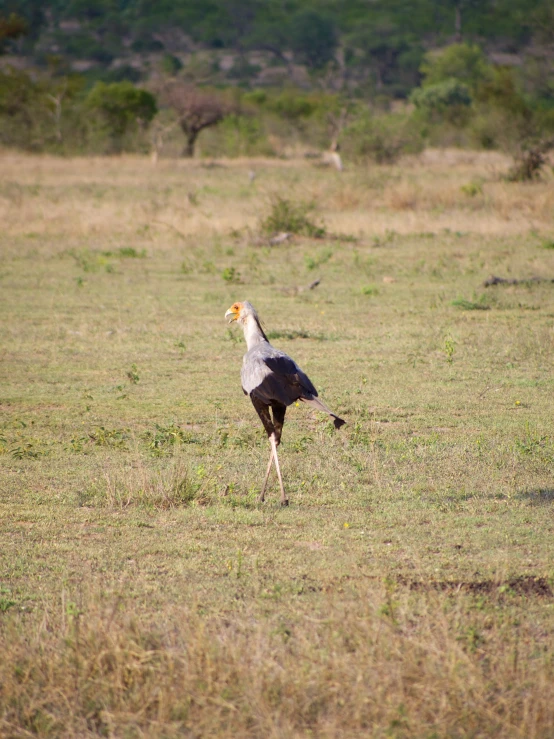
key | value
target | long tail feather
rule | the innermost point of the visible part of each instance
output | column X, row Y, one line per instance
column 316, row 403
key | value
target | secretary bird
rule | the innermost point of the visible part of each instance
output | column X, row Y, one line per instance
column 272, row 380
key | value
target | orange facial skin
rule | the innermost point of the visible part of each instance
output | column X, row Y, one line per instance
column 233, row 314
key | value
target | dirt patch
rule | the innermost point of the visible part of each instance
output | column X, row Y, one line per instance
column 312, row 545
column 525, row 585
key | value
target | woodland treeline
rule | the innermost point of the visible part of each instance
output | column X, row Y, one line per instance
column 394, row 75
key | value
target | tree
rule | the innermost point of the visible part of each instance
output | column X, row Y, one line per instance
column 119, row 108
column 460, row 7
column 451, row 80
column 449, row 100
column 313, row 38
column 463, row 62
column 31, row 110
column 19, row 110
column 31, row 12
column 11, row 27
column 388, row 51
column 196, row 110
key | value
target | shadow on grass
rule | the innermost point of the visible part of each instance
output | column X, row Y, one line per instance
column 523, row 585
column 538, row 496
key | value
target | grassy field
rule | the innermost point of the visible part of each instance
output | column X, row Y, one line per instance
column 408, row 590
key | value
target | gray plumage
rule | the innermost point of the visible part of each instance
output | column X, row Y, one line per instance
column 270, row 375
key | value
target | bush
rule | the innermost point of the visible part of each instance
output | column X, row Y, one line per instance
column 502, row 92
column 84, row 45
column 118, row 109
column 462, row 62
column 292, row 218
column 238, row 135
column 171, row 64
column 123, row 73
column 19, row 106
column 296, row 106
column 382, row 139
column 530, row 161
column 487, row 129
column 449, row 100
column 243, row 70
column 28, row 115
column 145, row 44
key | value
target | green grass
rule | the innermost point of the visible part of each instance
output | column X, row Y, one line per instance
column 406, row 591
column 464, row 304
column 291, row 217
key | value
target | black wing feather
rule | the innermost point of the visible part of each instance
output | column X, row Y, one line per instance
column 286, row 369
column 284, row 383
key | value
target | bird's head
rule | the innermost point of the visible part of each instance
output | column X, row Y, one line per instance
column 240, row 311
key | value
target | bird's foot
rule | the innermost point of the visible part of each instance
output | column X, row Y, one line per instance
column 284, row 501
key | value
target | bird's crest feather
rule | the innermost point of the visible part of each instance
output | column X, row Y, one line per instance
column 260, row 326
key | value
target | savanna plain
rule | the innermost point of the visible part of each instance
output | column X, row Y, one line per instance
column 408, row 590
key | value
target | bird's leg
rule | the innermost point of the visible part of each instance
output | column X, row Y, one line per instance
column 262, row 494
column 284, row 499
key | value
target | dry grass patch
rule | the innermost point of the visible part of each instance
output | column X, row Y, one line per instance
column 130, row 198
column 376, row 659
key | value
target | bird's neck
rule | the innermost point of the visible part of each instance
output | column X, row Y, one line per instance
column 253, row 332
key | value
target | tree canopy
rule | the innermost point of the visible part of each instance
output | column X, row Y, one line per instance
column 385, row 38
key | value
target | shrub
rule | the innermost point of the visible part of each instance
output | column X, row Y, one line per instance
column 19, row 108
column 370, row 290
column 291, row 217
column 464, row 63
column 381, row 138
column 489, row 129
column 29, row 118
column 145, row 43
column 119, row 108
column 501, row 91
column 171, row 64
column 464, row 304
column 238, row 135
column 473, row 188
column 530, row 161
column 293, row 105
column 449, row 100
column 171, row 486
column 84, row 45
column 231, row 275
column 504, row 116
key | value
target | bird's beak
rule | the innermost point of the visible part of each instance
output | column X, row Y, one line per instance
column 231, row 316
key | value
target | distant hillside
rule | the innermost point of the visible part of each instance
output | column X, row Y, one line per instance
column 355, row 45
